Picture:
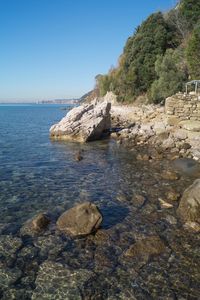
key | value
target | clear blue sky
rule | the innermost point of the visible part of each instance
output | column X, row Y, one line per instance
column 54, row 48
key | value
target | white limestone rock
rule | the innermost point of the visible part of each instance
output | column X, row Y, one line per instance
column 83, row 123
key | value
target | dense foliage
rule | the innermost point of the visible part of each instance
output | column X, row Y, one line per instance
column 193, row 53
column 160, row 56
column 171, row 72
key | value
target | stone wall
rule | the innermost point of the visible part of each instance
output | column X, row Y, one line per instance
column 183, row 107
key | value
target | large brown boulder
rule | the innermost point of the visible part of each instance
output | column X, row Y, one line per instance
column 84, row 123
column 189, row 207
column 80, row 220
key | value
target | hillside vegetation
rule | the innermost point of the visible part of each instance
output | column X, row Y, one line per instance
column 161, row 55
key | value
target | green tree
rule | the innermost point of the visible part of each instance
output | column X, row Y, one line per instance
column 193, row 54
column 136, row 70
column 172, row 74
column 190, row 10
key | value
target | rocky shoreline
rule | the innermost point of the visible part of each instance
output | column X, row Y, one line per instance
column 149, row 125
column 119, row 222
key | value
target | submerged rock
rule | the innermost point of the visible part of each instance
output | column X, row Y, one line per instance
column 145, row 248
column 170, row 175
column 78, row 156
column 84, row 123
column 57, row 281
column 189, row 207
column 9, row 245
column 82, row 219
column 8, row 276
column 35, row 225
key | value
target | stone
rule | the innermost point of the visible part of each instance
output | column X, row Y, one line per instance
column 173, row 120
column 145, row 248
column 171, row 220
column 159, row 127
column 144, row 157
column 190, row 125
column 57, row 281
column 173, row 196
column 84, row 123
column 8, row 276
column 138, row 200
column 194, row 226
column 180, row 134
column 9, row 245
column 165, row 204
column 78, row 156
column 169, row 175
column 189, row 207
column 36, row 225
column 80, row 220
column 168, row 143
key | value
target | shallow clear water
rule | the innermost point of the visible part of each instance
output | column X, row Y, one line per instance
column 40, row 175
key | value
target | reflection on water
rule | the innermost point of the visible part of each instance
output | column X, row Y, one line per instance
column 37, row 174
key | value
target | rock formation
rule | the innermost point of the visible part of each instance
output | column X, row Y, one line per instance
column 83, row 123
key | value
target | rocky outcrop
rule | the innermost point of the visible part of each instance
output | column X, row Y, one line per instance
column 80, row 220
column 189, row 207
column 83, row 123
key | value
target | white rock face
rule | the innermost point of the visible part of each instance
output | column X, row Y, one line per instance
column 83, row 123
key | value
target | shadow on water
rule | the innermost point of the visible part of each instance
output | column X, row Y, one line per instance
column 113, row 215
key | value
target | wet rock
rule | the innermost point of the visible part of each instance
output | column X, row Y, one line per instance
column 171, row 220
column 144, row 157
column 189, row 207
column 102, row 237
column 84, row 123
column 138, row 200
column 78, row 156
column 57, row 281
column 145, row 248
column 49, row 246
column 36, row 225
column 82, row 219
column 104, row 258
column 173, row 196
column 194, row 226
column 170, row 175
column 8, row 276
column 165, row 204
column 13, row 294
column 9, row 245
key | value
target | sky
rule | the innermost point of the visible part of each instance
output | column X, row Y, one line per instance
column 52, row 49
